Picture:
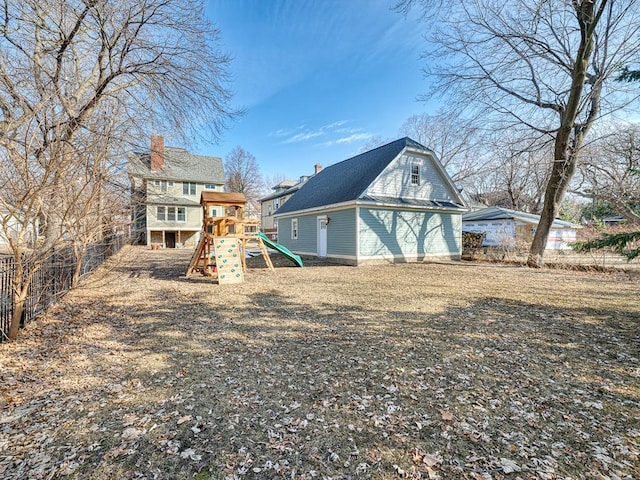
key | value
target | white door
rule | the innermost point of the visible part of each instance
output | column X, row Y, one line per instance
column 322, row 236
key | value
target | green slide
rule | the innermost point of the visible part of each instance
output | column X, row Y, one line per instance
column 283, row 250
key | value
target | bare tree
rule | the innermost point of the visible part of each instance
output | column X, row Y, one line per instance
column 455, row 141
column 515, row 174
column 374, row 142
column 66, row 67
column 547, row 67
column 270, row 181
column 96, row 198
column 609, row 171
column 243, row 174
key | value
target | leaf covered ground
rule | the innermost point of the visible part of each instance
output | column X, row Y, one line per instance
column 440, row 370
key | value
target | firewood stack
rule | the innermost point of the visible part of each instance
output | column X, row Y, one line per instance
column 472, row 242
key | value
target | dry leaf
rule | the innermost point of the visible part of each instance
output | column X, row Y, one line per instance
column 186, row 418
column 447, row 416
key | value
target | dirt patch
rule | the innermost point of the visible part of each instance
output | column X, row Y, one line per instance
column 452, row 370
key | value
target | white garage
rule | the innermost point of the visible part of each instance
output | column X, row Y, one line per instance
column 512, row 229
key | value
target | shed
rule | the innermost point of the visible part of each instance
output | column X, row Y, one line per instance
column 513, row 229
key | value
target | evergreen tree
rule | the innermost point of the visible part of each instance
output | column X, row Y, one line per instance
column 626, row 244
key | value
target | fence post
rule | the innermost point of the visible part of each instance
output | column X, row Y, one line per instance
column 52, row 279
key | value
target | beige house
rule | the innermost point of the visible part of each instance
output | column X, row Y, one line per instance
column 166, row 184
column 272, row 202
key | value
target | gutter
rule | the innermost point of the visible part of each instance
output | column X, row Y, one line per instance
column 365, row 203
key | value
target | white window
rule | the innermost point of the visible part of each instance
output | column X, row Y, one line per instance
column 269, row 210
column 162, row 185
column 415, row 174
column 170, row 183
column 209, row 186
column 294, row 229
column 276, row 204
column 171, row 214
column 188, row 188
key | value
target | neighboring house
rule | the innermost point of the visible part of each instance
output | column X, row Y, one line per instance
column 394, row 203
column 252, row 210
column 272, row 202
column 512, row 229
column 166, row 184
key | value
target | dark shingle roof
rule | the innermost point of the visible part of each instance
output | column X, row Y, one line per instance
column 499, row 213
column 179, row 165
column 413, row 202
column 347, row 180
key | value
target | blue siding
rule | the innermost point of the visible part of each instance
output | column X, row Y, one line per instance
column 410, row 235
column 307, row 236
column 341, row 233
column 395, row 180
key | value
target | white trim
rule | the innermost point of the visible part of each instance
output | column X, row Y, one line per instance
column 412, row 258
column 369, row 203
column 298, row 252
column 345, row 257
column 430, row 156
column 335, row 206
column 322, row 239
column 357, row 233
column 443, row 171
column 418, row 175
column 329, row 256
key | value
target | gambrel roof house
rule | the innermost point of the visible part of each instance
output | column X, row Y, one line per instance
column 513, row 229
column 166, row 183
column 393, row 203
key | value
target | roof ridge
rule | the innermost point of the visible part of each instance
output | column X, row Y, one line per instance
column 399, row 140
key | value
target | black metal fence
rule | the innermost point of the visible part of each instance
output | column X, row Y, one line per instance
column 51, row 280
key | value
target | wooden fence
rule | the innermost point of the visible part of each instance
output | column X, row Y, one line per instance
column 50, row 281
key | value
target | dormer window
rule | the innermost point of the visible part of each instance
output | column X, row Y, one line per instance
column 415, row 174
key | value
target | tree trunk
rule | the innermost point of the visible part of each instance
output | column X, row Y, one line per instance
column 561, row 174
column 569, row 136
column 79, row 253
column 19, row 300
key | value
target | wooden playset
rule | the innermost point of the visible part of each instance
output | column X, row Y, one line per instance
column 225, row 238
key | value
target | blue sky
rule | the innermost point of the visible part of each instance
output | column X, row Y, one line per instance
column 319, row 79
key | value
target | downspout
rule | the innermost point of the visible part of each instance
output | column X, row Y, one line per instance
column 357, row 235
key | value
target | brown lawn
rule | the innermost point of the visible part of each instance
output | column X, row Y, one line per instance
column 459, row 370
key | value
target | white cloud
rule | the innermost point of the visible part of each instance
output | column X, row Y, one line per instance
column 301, row 137
column 302, row 133
column 354, row 138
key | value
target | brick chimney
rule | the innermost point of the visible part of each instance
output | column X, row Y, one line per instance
column 157, row 153
column 318, row 167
